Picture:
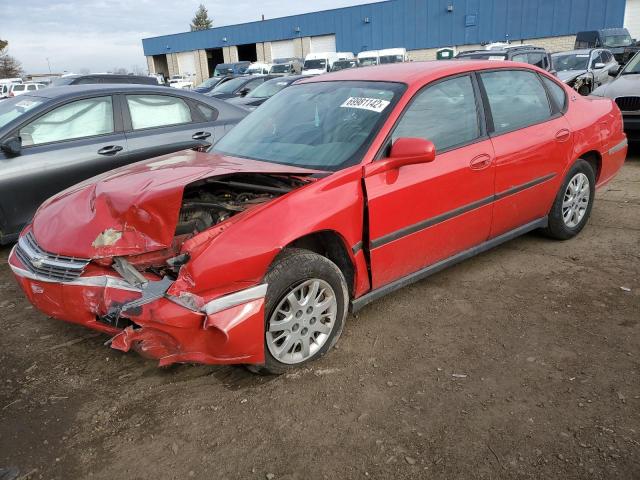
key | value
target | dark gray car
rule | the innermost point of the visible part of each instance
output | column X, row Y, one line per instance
column 238, row 87
column 625, row 91
column 56, row 137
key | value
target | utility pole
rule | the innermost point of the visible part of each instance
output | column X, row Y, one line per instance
column 49, row 65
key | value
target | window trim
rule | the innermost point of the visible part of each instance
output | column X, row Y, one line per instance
column 559, row 110
column 117, row 123
column 485, row 98
column 126, row 113
column 480, row 112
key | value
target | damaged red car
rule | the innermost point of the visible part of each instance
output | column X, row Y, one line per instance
column 336, row 191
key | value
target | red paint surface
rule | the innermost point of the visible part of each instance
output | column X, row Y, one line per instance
column 142, row 201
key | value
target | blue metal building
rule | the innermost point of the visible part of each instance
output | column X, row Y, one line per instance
column 413, row 24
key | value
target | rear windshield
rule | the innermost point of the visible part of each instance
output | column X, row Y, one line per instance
column 282, row 68
column 315, row 64
column 391, row 58
column 230, row 86
column 269, row 88
column 365, row 62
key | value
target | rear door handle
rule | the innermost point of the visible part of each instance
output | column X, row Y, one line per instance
column 110, row 150
column 480, row 162
column 201, row 135
column 563, row 135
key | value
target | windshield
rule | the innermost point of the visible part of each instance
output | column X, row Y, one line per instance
column 613, row 41
column 12, row 108
column 367, row 61
column 563, row 63
column 229, row 86
column 268, row 88
column 221, row 70
column 210, row 82
column 342, row 64
column 391, row 59
column 253, row 70
column 282, row 68
column 323, row 125
column 632, row 67
column 319, row 64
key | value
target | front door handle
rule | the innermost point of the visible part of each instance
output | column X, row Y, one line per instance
column 563, row 135
column 110, row 150
column 480, row 162
column 201, row 135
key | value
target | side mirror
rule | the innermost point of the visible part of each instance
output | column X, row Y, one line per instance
column 244, row 91
column 614, row 71
column 12, row 146
column 404, row 151
column 599, row 66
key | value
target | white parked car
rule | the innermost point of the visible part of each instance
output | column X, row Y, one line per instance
column 258, row 68
column 22, row 88
column 321, row 62
column 181, row 81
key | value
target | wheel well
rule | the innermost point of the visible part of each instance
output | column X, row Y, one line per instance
column 330, row 245
column 595, row 160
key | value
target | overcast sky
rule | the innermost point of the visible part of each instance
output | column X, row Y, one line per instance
column 99, row 35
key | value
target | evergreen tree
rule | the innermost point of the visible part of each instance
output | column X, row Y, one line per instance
column 201, row 21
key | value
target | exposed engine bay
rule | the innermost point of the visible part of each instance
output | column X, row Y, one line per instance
column 214, row 200
column 583, row 84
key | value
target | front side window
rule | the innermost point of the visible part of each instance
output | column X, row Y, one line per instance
column 322, row 125
column 613, row 41
column 269, row 88
column 517, row 99
column 148, row 111
column 444, row 113
column 319, row 64
column 83, row 118
column 597, row 58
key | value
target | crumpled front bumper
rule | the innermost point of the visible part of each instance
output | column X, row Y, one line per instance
column 225, row 330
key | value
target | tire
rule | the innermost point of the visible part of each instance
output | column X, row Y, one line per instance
column 570, row 211
column 312, row 322
column 584, row 90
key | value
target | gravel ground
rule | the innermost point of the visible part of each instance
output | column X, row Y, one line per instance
column 521, row 363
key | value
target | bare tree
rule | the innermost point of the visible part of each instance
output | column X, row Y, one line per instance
column 9, row 66
column 201, row 21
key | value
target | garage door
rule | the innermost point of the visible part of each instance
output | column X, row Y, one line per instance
column 324, row 43
column 283, row 49
column 187, row 63
column 632, row 18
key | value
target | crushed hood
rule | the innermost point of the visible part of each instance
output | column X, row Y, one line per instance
column 568, row 75
column 133, row 209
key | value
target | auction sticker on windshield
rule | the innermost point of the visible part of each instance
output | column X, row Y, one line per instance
column 372, row 104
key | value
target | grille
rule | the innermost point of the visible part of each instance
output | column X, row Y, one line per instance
column 48, row 265
column 628, row 104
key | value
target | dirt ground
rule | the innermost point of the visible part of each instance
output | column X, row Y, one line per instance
column 521, row 363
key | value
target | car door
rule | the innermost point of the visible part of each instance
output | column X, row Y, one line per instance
column 421, row 214
column 532, row 142
column 157, row 124
column 61, row 147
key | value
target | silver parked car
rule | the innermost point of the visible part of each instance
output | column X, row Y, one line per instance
column 584, row 70
column 625, row 90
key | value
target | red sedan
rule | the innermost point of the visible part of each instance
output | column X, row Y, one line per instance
column 335, row 192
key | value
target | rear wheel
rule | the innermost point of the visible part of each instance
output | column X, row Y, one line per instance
column 574, row 201
column 305, row 309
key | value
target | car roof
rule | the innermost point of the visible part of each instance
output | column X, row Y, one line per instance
column 582, row 51
column 416, row 72
column 106, row 88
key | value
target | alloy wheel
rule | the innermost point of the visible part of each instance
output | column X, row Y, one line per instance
column 302, row 321
column 576, row 200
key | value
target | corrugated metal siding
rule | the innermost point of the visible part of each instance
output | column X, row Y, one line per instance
column 413, row 24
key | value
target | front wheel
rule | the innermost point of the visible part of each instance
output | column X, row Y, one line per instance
column 574, row 201
column 305, row 309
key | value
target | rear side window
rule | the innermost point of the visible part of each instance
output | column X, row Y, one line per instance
column 148, row 111
column 557, row 93
column 83, row 118
column 538, row 59
column 209, row 114
column 517, row 99
column 444, row 113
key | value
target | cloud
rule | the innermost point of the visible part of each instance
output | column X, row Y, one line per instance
column 101, row 34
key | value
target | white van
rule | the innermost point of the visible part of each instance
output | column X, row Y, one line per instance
column 9, row 81
column 321, row 62
column 392, row 55
column 258, row 68
column 368, row 58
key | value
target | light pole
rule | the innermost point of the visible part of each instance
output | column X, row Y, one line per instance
column 49, row 64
